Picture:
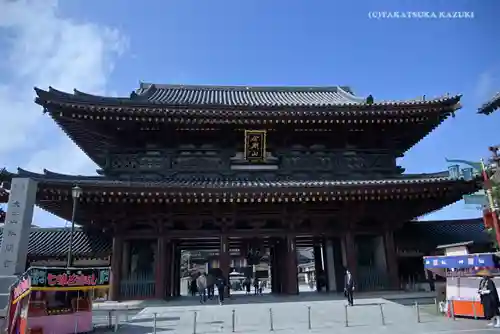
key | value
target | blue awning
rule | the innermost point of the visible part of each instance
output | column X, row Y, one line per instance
column 460, row 261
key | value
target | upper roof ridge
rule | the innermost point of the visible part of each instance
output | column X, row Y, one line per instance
column 143, row 86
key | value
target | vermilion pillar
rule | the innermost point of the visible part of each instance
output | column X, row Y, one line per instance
column 391, row 259
column 224, row 257
column 116, row 270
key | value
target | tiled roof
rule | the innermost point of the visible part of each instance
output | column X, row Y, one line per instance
column 234, row 96
column 193, row 184
column 490, row 106
column 53, row 242
column 246, row 96
column 434, row 233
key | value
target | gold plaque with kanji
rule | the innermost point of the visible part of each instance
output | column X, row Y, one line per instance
column 255, row 145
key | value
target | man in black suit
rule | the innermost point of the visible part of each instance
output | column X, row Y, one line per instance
column 349, row 287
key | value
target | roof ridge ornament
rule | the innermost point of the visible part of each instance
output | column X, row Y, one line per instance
column 369, row 99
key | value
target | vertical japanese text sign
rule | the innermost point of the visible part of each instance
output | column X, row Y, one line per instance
column 16, row 230
column 255, row 145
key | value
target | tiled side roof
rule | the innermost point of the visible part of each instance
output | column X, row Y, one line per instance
column 227, row 184
column 434, row 233
column 53, row 242
column 490, row 106
column 182, row 96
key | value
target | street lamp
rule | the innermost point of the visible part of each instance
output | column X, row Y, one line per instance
column 76, row 192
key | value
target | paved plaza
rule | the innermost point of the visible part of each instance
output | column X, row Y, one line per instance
column 327, row 316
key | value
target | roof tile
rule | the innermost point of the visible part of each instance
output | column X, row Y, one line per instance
column 53, row 242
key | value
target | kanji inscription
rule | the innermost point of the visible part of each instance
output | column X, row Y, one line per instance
column 16, row 230
column 255, row 145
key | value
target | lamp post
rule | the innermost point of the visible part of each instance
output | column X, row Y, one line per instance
column 76, row 192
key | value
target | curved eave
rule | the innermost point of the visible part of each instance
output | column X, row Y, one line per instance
column 93, row 144
column 135, row 103
column 191, row 187
column 490, row 106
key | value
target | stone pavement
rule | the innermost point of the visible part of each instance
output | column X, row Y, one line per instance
column 327, row 316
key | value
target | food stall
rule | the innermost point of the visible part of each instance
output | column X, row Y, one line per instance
column 462, row 280
column 54, row 300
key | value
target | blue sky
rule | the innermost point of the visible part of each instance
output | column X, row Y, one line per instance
column 110, row 47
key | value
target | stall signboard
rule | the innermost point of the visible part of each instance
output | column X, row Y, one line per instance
column 487, row 260
column 41, row 278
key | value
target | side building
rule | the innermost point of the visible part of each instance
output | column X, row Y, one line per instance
column 265, row 170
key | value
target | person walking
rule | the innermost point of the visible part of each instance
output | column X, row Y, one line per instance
column 349, row 287
column 248, row 285
column 201, row 285
column 221, row 287
column 192, row 286
column 489, row 298
column 256, row 285
column 210, row 286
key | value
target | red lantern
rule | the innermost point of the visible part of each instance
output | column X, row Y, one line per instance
column 488, row 219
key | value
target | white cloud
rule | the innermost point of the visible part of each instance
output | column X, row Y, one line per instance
column 43, row 48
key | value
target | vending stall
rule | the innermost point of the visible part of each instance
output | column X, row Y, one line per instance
column 55, row 300
column 462, row 273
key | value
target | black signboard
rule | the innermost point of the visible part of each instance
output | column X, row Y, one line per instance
column 255, row 145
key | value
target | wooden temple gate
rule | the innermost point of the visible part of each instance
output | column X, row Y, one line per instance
column 164, row 277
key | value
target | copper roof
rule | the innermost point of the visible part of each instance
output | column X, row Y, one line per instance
column 491, row 105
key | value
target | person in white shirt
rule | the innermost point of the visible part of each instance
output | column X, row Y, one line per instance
column 201, row 284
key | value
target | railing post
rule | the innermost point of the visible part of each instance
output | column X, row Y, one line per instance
column 309, row 317
column 271, row 322
column 417, row 308
column 382, row 314
column 474, row 308
column 154, row 323
column 195, row 315
column 233, row 320
column 346, row 316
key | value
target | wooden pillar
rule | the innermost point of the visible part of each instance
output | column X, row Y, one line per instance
column 224, row 257
column 176, row 292
column 351, row 254
column 126, row 259
column 274, row 266
column 173, row 268
column 116, row 268
column 281, row 268
column 391, row 259
column 160, row 268
column 291, row 278
column 318, row 263
column 168, row 267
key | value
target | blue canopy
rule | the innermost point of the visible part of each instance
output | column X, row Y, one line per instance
column 460, row 261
